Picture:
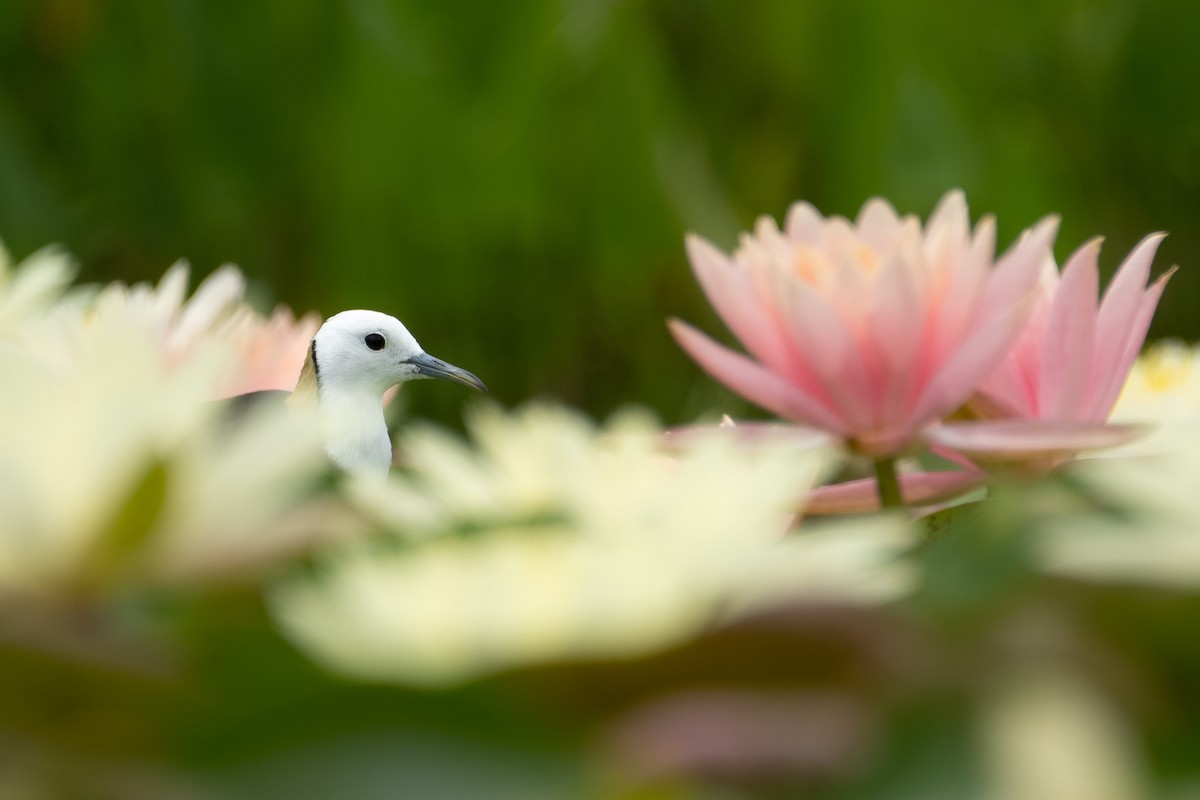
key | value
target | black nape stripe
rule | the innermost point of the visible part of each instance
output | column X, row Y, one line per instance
column 316, row 366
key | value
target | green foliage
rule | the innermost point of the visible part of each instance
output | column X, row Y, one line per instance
column 514, row 179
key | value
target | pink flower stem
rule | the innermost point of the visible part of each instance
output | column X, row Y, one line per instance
column 888, row 484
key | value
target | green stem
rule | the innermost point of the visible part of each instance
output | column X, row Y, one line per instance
column 888, row 484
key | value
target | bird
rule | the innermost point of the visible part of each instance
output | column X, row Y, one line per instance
column 352, row 360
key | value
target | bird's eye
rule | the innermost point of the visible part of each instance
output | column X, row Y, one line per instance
column 374, row 341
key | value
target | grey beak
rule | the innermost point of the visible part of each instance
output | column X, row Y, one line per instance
column 431, row 367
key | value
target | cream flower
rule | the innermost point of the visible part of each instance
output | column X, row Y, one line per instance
column 113, row 465
column 117, row 468
column 31, row 287
column 267, row 352
column 551, row 539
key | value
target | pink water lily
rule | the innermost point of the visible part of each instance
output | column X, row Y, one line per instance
column 1053, row 393
column 871, row 330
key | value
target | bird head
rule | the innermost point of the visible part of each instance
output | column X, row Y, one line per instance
column 366, row 351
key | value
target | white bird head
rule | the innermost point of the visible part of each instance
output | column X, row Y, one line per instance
column 355, row 357
column 366, row 351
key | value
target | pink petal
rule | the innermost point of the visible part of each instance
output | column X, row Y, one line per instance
column 1129, row 280
column 896, row 329
column 1116, row 325
column 754, row 382
column 1017, row 271
column 1029, row 438
column 829, row 346
column 732, row 297
column 878, row 224
column 959, row 297
column 917, row 488
column 1117, row 372
column 850, row 293
column 896, row 319
column 804, row 223
column 1066, row 359
column 949, row 217
column 977, row 358
column 1012, row 390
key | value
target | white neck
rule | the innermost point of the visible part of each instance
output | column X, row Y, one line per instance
column 355, row 433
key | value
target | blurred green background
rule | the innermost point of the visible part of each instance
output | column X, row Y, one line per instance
column 514, row 179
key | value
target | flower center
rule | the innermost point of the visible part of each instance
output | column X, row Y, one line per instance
column 815, row 267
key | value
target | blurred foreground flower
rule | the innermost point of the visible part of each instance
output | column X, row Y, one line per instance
column 553, row 540
column 29, row 288
column 1048, row 735
column 118, row 467
column 113, row 465
column 263, row 352
column 871, row 330
column 267, row 352
column 1141, row 528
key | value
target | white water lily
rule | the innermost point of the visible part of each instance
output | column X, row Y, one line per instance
column 114, row 462
column 119, row 452
column 31, row 287
column 1142, row 526
column 552, row 539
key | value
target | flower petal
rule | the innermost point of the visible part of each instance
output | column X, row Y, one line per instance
column 830, row 347
column 1119, row 327
column 949, row 218
column 1017, row 271
column 970, row 364
column 957, row 299
column 804, row 223
column 730, row 294
column 1023, row 438
column 896, row 330
column 1116, row 373
column 1066, row 357
column 917, row 489
column 753, row 381
column 878, row 224
column 213, row 298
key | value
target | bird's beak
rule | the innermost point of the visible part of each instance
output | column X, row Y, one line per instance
column 431, row 367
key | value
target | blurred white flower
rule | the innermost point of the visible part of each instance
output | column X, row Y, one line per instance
column 1048, row 736
column 551, row 539
column 113, row 461
column 122, row 454
column 31, row 287
column 261, row 352
column 1147, row 534
column 1141, row 526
